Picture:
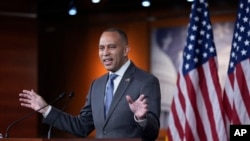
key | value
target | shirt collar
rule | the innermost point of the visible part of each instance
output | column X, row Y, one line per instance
column 122, row 70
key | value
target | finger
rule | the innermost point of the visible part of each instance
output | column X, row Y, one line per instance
column 141, row 97
column 26, row 105
column 26, row 91
column 24, row 95
column 146, row 107
column 29, row 92
column 22, row 100
column 129, row 99
column 32, row 92
column 144, row 101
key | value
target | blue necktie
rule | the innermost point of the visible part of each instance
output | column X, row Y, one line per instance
column 109, row 92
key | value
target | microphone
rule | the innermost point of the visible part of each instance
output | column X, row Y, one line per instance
column 71, row 94
column 30, row 114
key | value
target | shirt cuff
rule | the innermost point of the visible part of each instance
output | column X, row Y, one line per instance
column 142, row 123
column 47, row 112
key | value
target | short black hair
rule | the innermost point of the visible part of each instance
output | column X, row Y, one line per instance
column 120, row 32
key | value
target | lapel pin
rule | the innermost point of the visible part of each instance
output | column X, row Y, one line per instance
column 127, row 79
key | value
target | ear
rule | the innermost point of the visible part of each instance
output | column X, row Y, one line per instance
column 126, row 50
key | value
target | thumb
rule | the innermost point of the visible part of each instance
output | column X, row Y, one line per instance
column 129, row 99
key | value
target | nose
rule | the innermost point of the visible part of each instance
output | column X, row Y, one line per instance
column 106, row 51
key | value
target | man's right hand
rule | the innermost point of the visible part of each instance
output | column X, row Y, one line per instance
column 30, row 99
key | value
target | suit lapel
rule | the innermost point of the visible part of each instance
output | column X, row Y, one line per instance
column 102, row 97
column 120, row 91
column 123, row 85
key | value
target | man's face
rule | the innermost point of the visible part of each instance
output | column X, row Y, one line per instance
column 113, row 52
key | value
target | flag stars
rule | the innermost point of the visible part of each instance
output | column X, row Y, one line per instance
column 234, row 45
column 190, row 47
column 199, row 46
column 209, row 27
column 188, row 56
column 243, row 52
column 237, row 25
column 199, row 9
column 233, row 54
column 206, row 4
column 194, row 28
column 236, row 35
column 211, row 49
column 208, row 36
column 237, row 48
column 184, row 54
column 191, row 70
column 196, row 60
column 206, row 45
column 231, row 64
column 204, row 23
column 236, row 58
column 241, row 5
column 186, row 66
column 190, row 16
column 197, row 51
column 239, row 15
column 200, row 42
column 192, row 6
column 246, row 43
column 196, row 18
column 239, row 38
column 245, row 19
column 247, row 10
column 233, row 57
column 192, row 37
column 204, row 55
column 242, row 28
column 205, row 14
column 202, row 32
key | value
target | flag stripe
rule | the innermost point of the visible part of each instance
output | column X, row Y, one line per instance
column 228, row 96
column 228, row 101
column 241, row 98
column 236, row 97
column 240, row 79
column 193, row 109
column 219, row 132
column 178, row 103
column 196, row 111
column 190, row 136
column 207, row 99
column 177, row 122
column 189, row 133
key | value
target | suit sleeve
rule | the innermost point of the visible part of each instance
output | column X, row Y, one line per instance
column 81, row 125
column 151, row 89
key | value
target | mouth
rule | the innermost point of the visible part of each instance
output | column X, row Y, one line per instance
column 107, row 61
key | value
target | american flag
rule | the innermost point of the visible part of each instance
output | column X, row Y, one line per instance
column 197, row 111
column 236, row 93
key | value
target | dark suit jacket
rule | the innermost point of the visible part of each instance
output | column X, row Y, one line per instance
column 120, row 121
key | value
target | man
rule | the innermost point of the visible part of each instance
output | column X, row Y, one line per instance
column 135, row 109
